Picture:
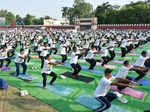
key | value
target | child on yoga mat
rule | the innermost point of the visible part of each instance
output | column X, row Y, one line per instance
column 102, row 93
column 47, row 70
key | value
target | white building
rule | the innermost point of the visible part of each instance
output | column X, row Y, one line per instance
column 52, row 22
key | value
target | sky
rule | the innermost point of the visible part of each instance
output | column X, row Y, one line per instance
column 52, row 8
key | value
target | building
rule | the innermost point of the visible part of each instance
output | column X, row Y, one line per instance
column 86, row 23
column 52, row 22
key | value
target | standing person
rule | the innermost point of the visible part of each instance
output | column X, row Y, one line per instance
column 74, row 62
column 20, row 60
column 47, row 70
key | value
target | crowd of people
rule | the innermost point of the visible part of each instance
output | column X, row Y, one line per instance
column 91, row 46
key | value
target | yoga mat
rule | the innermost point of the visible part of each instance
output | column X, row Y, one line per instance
column 30, row 63
column 5, row 69
column 142, row 82
column 90, row 102
column 57, row 89
column 132, row 54
column 117, row 61
column 79, row 77
column 106, row 66
column 26, row 77
column 96, row 71
column 131, row 92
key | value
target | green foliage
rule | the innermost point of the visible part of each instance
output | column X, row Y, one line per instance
column 8, row 15
column 80, row 9
column 133, row 13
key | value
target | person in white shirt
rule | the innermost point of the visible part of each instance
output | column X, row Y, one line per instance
column 4, row 57
column 111, row 49
column 74, row 62
column 44, row 53
column 47, row 70
column 123, row 47
column 102, row 93
column 123, row 73
column 90, row 58
column 63, row 52
column 20, row 60
column 104, row 54
column 53, row 47
column 140, row 64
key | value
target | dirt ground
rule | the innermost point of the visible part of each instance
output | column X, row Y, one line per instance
column 10, row 101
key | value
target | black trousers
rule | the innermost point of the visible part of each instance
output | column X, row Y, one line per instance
column 123, row 52
column 141, row 74
column 42, row 61
column 124, row 82
column 53, row 50
column 112, row 54
column 106, row 101
column 52, row 74
column 64, row 58
column 76, row 67
column 92, row 63
column 147, row 63
column 2, row 62
column 106, row 59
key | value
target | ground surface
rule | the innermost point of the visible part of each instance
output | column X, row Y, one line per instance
column 67, row 104
column 10, row 101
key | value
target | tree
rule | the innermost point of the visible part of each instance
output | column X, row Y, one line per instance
column 80, row 9
column 28, row 20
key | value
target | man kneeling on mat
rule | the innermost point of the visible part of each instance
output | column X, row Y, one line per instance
column 102, row 93
column 47, row 70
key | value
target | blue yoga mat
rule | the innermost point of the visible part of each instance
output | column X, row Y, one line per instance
column 57, row 89
column 92, row 103
column 22, row 76
column 143, row 81
column 86, row 69
column 88, row 101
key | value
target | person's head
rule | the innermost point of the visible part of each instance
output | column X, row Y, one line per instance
column 144, row 53
column 21, row 51
column 126, row 63
column 108, row 73
column 4, row 48
column 93, row 48
column 74, row 49
column 62, row 42
column 49, row 57
column 104, row 45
